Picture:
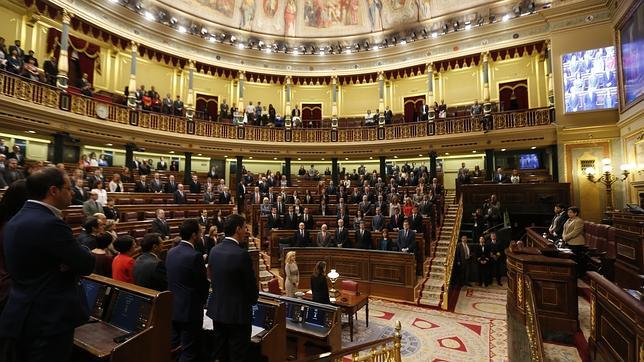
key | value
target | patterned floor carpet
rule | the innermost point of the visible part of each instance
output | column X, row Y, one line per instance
column 475, row 331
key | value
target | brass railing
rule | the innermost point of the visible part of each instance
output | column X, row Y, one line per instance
column 43, row 94
column 532, row 323
column 381, row 350
column 451, row 250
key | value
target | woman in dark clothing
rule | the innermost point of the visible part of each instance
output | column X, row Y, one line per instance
column 12, row 201
column 319, row 286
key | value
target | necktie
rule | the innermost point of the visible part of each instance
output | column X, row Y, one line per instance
column 302, row 233
column 324, row 236
column 405, row 235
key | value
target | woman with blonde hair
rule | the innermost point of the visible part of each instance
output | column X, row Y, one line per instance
column 292, row 275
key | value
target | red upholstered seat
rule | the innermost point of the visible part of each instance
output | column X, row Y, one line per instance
column 350, row 286
column 274, row 286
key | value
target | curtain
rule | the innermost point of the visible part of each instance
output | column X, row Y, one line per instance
column 88, row 53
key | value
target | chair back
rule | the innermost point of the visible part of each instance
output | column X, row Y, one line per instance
column 350, row 286
column 274, row 286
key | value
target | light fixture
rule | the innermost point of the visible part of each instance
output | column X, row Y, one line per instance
column 204, row 31
column 173, row 21
column 199, row 154
column 171, row 152
column 456, row 25
column 212, row 39
column 138, row 6
column 420, row 155
column 446, row 153
column 182, row 29
column 346, row 158
column 533, row 147
column 395, row 156
column 114, row 1
column 30, row 131
column 608, row 179
column 333, row 276
column 299, row 159
column 503, row 150
column 109, row 144
column 225, row 156
column 241, row 45
column 232, row 39
column 250, row 158
column 322, row 158
column 274, row 158
column 474, row 151
column 434, row 35
column 445, row 28
column 506, row 17
column 468, row 26
column 149, row 16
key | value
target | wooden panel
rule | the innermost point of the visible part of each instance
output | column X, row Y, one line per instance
column 516, row 197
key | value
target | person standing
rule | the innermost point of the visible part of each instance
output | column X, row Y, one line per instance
column 463, row 261
column 292, row 275
column 188, row 283
column 319, row 285
column 45, row 302
column 235, row 291
column 12, row 201
column 573, row 236
column 483, row 260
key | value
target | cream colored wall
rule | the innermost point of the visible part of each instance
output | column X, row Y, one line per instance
column 451, row 165
column 582, row 38
column 36, row 147
column 311, row 94
column 460, row 86
column 214, row 86
column 199, row 164
column 356, row 99
column 265, row 93
column 11, row 26
column 510, row 70
column 401, row 88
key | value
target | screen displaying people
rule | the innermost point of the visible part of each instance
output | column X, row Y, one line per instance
column 589, row 79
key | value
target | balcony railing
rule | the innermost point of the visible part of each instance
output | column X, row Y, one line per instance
column 43, row 94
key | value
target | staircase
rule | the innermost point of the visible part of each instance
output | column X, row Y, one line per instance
column 434, row 268
column 265, row 273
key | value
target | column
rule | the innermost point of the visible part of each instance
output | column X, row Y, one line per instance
column 63, row 59
column 432, row 165
column 381, row 91
column 131, row 87
column 129, row 155
column 335, row 174
column 287, row 90
column 59, row 147
column 187, row 169
column 240, row 198
column 551, row 94
column 287, row 170
column 487, row 106
column 489, row 163
column 334, row 96
column 430, row 91
column 555, row 163
column 240, row 91
column 383, row 168
column 190, row 102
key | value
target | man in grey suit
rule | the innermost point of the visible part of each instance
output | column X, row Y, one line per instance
column 378, row 221
column 324, row 238
column 91, row 206
column 149, row 270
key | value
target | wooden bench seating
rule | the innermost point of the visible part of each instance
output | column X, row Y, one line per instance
column 74, row 214
column 137, row 198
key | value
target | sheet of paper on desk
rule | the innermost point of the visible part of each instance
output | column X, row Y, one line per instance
column 255, row 330
column 207, row 322
column 332, row 300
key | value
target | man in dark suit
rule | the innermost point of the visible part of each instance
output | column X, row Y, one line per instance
column 499, row 176
column 307, row 219
column 416, row 221
column 406, row 239
column 171, row 186
column 363, row 237
column 224, row 196
column 556, row 226
column 189, row 286
column 195, row 185
column 46, row 302
column 280, row 205
column 19, row 51
column 256, row 197
column 159, row 225
column 342, row 235
column 331, row 190
column 301, row 237
column 497, row 258
column 482, row 253
column 162, row 165
column 149, row 270
column 80, row 195
column 234, row 293
column 180, row 196
column 463, row 255
column 274, row 221
column 155, row 184
column 365, row 205
column 396, row 220
column 141, row 185
column 324, row 238
column 290, row 219
column 378, row 221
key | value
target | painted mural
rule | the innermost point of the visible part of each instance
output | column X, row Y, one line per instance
column 318, row 18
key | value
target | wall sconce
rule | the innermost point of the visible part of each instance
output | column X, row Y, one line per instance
column 608, row 179
column 333, row 276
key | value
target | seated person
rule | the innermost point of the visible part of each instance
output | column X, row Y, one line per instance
column 368, row 118
column 103, row 265
column 123, row 263
column 85, row 85
column 319, row 285
column 515, row 178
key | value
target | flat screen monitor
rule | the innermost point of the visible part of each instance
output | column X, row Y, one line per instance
column 126, row 310
column 291, row 311
column 631, row 40
column 589, row 80
column 92, row 290
column 259, row 315
column 529, row 161
column 316, row 316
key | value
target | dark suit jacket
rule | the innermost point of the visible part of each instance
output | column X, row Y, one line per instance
column 500, row 178
column 224, row 198
column 154, row 186
column 179, row 198
column 460, row 253
column 162, row 166
column 290, row 222
column 160, row 227
column 399, row 224
column 320, row 289
column 416, row 223
column 233, row 282
column 273, row 222
column 408, row 242
column 80, row 197
column 44, row 301
column 169, row 188
column 309, row 223
column 188, row 283
column 302, row 242
column 195, row 188
column 482, row 254
column 140, row 187
column 343, row 238
column 363, row 242
column 149, row 272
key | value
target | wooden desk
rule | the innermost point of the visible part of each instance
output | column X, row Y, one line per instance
column 515, row 197
column 629, row 263
column 350, row 304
